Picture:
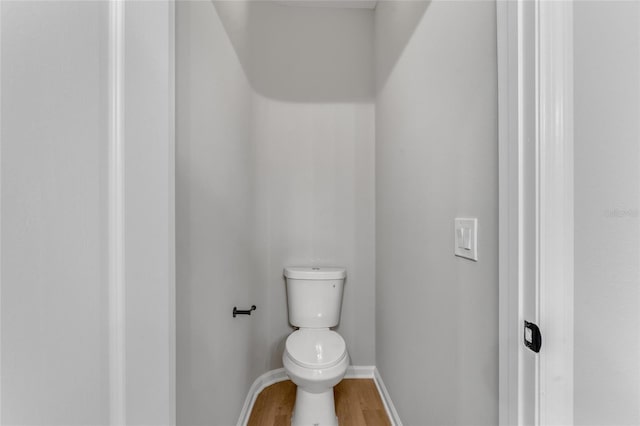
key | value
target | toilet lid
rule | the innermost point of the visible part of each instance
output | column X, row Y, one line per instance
column 311, row 348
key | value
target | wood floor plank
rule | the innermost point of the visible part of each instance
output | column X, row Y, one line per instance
column 375, row 417
column 358, row 403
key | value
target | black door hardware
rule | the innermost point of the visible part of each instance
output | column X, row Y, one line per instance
column 532, row 336
column 237, row 311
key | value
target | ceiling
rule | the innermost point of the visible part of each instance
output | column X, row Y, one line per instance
column 344, row 4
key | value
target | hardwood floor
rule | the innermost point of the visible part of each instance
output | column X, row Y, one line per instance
column 358, row 403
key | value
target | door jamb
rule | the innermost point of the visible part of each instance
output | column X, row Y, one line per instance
column 552, row 226
column 509, row 211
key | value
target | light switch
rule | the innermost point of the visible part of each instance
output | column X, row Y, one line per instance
column 466, row 235
column 466, row 238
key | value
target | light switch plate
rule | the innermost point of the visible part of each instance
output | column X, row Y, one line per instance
column 466, row 238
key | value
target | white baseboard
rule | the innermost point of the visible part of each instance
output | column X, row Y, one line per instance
column 353, row 372
column 386, row 399
column 267, row 379
column 360, row 372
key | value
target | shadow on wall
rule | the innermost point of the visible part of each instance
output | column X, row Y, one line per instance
column 311, row 54
column 407, row 14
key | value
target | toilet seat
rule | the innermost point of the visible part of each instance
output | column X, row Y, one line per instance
column 316, row 348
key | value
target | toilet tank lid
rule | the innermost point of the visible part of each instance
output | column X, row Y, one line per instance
column 315, row 273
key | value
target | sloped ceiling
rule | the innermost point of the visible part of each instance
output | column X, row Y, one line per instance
column 346, row 4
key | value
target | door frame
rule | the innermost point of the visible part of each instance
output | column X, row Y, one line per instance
column 141, row 216
column 535, row 80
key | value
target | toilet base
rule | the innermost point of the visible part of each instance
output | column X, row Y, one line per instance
column 314, row 409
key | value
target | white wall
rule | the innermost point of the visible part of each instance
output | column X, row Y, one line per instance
column 313, row 128
column 437, row 159
column 218, row 356
column 54, row 223
column 607, row 196
column 316, row 207
column 275, row 168
column 66, row 359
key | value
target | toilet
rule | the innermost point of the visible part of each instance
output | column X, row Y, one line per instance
column 315, row 357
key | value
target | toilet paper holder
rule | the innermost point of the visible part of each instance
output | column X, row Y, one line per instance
column 237, row 311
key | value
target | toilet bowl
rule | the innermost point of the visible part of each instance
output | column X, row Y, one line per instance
column 315, row 360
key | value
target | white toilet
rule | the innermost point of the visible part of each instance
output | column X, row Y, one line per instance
column 315, row 357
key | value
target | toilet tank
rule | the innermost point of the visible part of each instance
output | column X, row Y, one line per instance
column 314, row 296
